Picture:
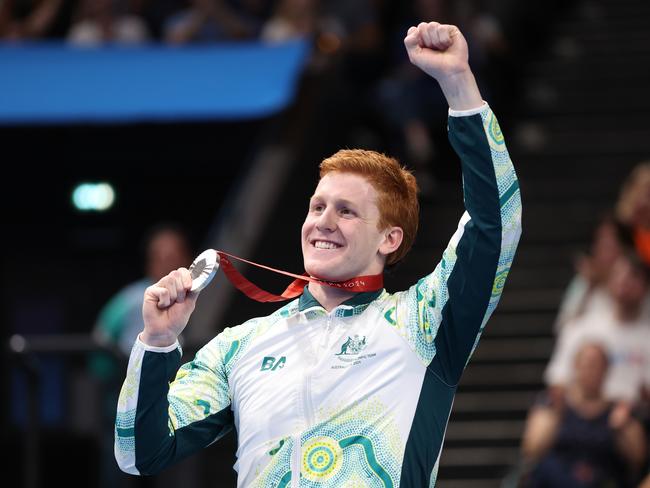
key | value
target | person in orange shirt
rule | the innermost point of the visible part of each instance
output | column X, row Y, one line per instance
column 633, row 208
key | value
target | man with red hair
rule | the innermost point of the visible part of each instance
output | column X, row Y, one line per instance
column 341, row 387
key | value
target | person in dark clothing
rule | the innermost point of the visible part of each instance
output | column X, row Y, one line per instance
column 586, row 440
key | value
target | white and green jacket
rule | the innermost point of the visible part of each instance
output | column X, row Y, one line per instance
column 359, row 396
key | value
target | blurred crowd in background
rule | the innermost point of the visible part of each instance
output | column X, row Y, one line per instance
column 88, row 22
column 592, row 425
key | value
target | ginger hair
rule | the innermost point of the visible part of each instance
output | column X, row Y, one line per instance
column 396, row 186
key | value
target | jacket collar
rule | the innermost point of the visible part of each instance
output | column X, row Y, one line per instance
column 358, row 302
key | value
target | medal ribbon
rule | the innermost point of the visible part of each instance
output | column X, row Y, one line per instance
column 357, row 284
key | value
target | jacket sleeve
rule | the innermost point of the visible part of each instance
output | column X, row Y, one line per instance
column 159, row 423
column 445, row 312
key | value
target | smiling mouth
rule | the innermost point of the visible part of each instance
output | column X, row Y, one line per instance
column 325, row 245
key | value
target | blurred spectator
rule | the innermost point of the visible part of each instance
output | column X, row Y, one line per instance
column 633, row 208
column 291, row 19
column 585, row 441
column 103, row 21
column 346, row 35
column 120, row 320
column 624, row 328
column 587, row 293
column 213, row 20
column 166, row 247
column 31, row 19
column 353, row 25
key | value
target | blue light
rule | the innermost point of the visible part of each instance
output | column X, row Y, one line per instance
column 93, row 197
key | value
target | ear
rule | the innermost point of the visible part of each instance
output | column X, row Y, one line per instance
column 393, row 237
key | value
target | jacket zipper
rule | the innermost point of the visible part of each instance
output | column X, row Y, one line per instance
column 307, row 404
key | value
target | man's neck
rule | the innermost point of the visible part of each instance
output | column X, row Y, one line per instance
column 329, row 297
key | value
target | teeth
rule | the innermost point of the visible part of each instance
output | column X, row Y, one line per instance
column 325, row 245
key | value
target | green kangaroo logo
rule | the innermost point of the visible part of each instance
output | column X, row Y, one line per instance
column 352, row 346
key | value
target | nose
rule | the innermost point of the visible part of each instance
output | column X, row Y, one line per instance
column 327, row 220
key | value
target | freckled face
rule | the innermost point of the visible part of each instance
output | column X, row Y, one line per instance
column 340, row 237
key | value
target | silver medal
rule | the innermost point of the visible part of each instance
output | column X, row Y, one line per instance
column 203, row 269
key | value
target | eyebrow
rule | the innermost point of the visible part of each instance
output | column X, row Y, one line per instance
column 339, row 201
